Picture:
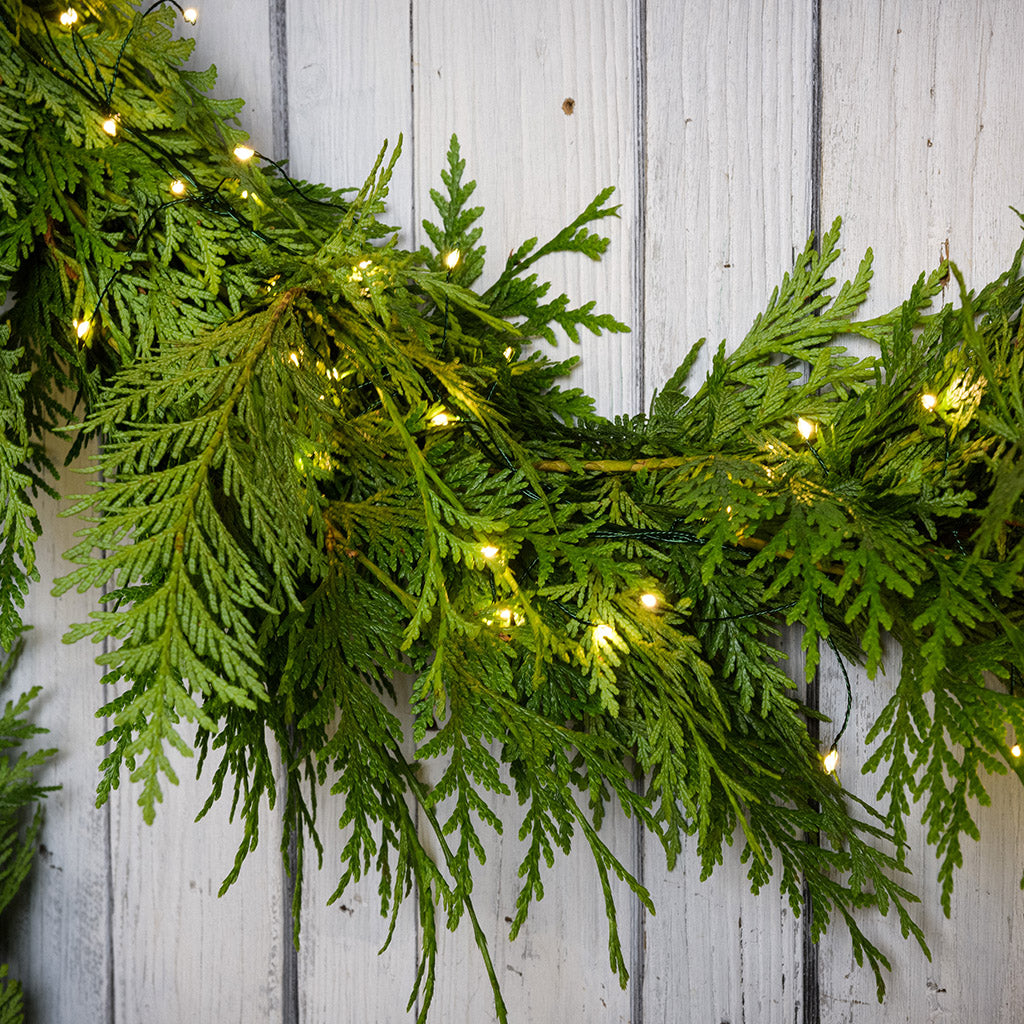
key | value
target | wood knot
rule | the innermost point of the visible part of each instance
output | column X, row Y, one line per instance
column 568, row 105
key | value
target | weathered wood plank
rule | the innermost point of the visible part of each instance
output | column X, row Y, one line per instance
column 728, row 186
column 349, row 91
column 180, row 953
column 922, row 148
column 728, row 203
column 541, row 97
column 59, row 941
column 557, row 969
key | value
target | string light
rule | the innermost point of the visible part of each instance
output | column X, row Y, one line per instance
column 450, row 262
column 1015, row 750
column 294, row 357
column 649, row 600
column 361, row 270
column 830, row 761
column 70, row 17
column 441, row 419
column 504, row 617
column 807, row 429
column 489, row 551
column 604, row 633
column 509, row 352
column 110, row 121
column 81, row 327
column 929, row 401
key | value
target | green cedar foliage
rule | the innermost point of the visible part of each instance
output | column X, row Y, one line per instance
column 312, row 439
column 12, row 1004
column 19, row 526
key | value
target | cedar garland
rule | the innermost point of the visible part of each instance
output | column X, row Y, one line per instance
column 327, row 460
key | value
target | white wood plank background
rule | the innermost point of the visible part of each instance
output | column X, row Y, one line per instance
column 728, row 153
column 705, row 117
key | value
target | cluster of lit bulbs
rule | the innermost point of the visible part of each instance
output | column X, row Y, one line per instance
column 806, row 430
column 178, row 189
column 69, row 18
column 603, row 633
column 109, row 124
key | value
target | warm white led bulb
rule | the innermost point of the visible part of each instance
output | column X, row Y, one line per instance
column 452, row 259
column 177, row 187
column 190, row 14
column 1015, row 750
column 489, row 551
column 244, row 152
column 806, row 428
column 509, row 352
column 929, row 401
column 109, row 125
column 81, row 327
column 831, row 760
column 505, row 614
column 604, row 632
column 69, row 17
column 649, row 600
column 440, row 419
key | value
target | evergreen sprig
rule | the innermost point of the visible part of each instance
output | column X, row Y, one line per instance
column 328, row 463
